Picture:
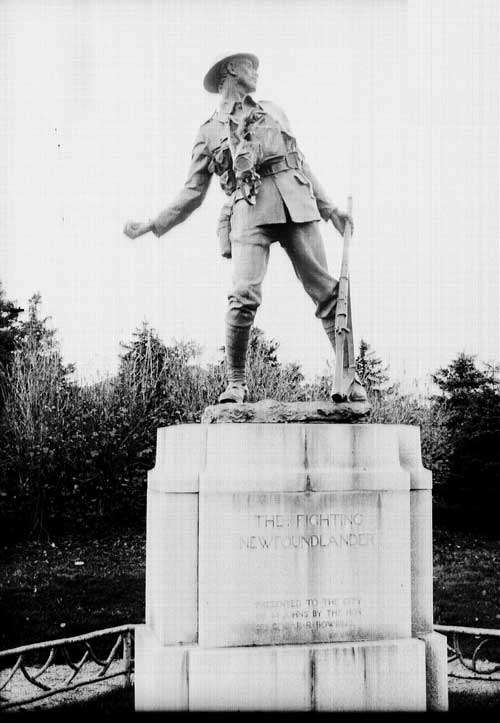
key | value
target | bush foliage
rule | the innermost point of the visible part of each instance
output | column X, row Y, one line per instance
column 76, row 455
column 469, row 406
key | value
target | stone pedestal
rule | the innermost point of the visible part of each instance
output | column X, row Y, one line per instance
column 289, row 567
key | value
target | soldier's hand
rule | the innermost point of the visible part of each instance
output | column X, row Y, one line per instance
column 339, row 220
column 133, row 229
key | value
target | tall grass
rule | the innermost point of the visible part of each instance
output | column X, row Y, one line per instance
column 35, row 421
column 73, row 454
column 396, row 407
column 268, row 378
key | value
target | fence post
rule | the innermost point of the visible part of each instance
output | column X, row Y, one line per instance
column 127, row 657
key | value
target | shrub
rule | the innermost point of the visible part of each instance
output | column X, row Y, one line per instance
column 267, row 378
column 79, row 454
column 469, row 406
column 9, row 334
column 76, row 455
column 36, row 422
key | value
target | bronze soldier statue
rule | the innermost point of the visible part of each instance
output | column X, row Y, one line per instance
column 272, row 196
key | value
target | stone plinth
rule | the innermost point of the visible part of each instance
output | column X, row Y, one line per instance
column 303, row 537
column 384, row 675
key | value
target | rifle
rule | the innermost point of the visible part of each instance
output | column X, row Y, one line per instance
column 345, row 363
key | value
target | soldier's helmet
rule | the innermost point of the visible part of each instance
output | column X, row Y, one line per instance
column 212, row 78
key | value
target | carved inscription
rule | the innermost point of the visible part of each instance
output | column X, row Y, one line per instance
column 294, row 531
column 300, row 567
column 309, row 613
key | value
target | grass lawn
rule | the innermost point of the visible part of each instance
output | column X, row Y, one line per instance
column 71, row 586
column 77, row 585
column 466, row 579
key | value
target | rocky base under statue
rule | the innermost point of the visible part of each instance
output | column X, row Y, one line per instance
column 272, row 411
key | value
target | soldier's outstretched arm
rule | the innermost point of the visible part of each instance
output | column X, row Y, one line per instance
column 183, row 205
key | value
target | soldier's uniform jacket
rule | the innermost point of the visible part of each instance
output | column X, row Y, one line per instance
column 284, row 176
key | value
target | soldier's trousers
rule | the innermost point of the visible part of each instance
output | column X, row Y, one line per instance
column 304, row 246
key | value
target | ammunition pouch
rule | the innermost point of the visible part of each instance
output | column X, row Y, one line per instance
column 246, row 158
column 222, row 165
column 224, row 230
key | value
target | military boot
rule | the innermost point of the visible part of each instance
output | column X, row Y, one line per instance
column 357, row 392
column 237, row 338
column 235, row 392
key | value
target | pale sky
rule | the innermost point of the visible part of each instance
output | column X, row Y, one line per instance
column 396, row 103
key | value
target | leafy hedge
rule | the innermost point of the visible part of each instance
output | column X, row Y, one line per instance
column 78, row 455
column 469, row 459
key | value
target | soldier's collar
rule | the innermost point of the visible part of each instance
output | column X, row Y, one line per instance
column 226, row 108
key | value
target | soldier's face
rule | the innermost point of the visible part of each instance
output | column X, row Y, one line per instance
column 246, row 74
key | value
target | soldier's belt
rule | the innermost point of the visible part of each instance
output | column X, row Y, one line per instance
column 277, row 165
